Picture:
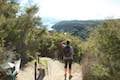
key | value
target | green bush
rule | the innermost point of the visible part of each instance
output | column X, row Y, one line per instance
column 104, row 43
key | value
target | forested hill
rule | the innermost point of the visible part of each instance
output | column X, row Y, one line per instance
column 76, row 27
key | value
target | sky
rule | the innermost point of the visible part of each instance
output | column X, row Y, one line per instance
column 77, row 9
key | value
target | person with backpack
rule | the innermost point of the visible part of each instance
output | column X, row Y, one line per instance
column 67, row 57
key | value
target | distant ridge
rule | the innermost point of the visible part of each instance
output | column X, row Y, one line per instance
column 77, row 27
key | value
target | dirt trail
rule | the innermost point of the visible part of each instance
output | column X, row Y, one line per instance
column 27, row 73
column 56, row 71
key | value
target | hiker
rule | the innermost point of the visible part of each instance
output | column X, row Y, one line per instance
column 67, row 57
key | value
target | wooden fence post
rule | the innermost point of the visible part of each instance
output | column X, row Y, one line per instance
column 35, row 71
column 38, row 60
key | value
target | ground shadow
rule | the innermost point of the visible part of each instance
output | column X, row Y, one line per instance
column 41, row 74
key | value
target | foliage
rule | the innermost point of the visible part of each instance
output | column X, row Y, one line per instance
column 57, row 38
column 48, row 43
column 8, row 9
column 104, row 43
column 99, row 72
column 14, row 29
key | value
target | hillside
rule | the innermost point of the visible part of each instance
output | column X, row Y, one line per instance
column 76, row 27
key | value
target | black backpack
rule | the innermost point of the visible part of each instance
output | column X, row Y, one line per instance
column 67, row 51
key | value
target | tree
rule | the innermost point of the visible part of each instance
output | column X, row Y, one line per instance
column 8, row 10
column 14, row 29
column 104, row 43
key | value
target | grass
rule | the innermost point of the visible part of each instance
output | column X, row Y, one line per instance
column 43, row 63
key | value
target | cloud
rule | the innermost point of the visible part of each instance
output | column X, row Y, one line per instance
column 23, row 1
column 78, row 9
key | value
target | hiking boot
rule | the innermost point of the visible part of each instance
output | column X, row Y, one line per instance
column 70, row 76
